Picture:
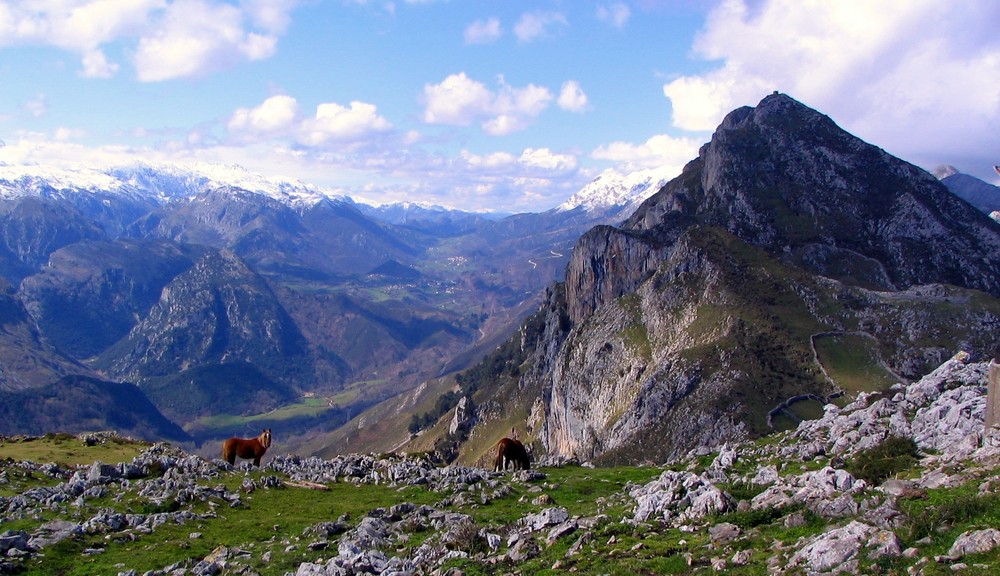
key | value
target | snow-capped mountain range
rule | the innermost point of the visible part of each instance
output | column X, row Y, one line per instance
column 161, row 182
column 165, row 183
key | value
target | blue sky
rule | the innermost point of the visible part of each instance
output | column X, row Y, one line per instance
column 504, row 105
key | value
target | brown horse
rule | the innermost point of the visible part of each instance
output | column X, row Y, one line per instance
column 246, row 448
column 513, row 452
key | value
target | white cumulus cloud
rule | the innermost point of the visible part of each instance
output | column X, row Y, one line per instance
column 77, row 25
column 275, row 114
column 271, row 15
column 534, row 25
column 459, row 101
column 168, row 38
column 572, row 97
column 196, row 37
column 96, row 65
column 80, row 26
column 279, row 117
column 914, row 76
column 343, row 123
column 658, row 151
column 547, row 159
column 483, row 31
column 616, row 14
column 490, row 161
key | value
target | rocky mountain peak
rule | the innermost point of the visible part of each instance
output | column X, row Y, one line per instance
column 780, row 176
column 711, row 306
column 786, row 178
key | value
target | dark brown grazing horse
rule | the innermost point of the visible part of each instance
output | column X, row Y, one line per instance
column 511, row 451
column 246, row 448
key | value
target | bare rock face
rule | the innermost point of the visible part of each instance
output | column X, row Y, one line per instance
column 943, row 411
column 464, row 417
column 609, row 263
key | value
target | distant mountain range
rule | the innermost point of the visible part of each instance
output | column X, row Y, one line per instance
column 221, row 292
column 164, row 183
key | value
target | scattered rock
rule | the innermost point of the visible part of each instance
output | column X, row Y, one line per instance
column 679, row 496
column 724, row 533
column 545, row 518
column 975, row 542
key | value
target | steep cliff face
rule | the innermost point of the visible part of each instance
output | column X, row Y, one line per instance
column 786, row 259
column 609, row 262
column 219, row 310
column 33, row 228
column 721, row 334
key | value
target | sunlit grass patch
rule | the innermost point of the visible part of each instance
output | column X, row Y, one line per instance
column 852, row 362
column 69, row 450
column 305, row 408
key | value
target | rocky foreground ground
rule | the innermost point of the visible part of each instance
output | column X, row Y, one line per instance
column 787, row 504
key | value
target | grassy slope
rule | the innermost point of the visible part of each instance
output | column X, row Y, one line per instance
column 272, row 521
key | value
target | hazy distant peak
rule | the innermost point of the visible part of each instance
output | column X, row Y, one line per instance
column 409, row 205
column 943, row 171
column 979, row 193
